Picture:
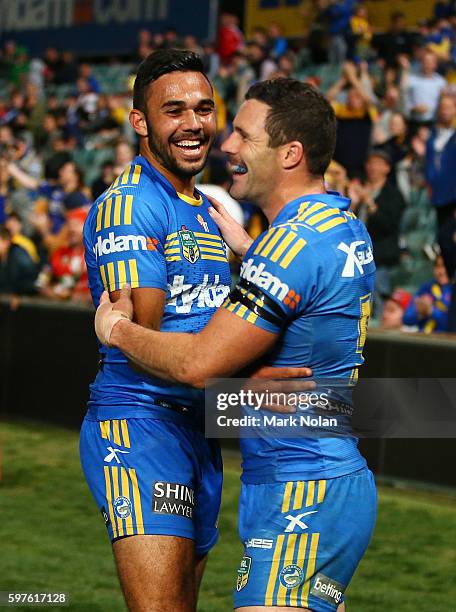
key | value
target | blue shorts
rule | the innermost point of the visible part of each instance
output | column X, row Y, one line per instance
column 303, row 540
column 152, row 476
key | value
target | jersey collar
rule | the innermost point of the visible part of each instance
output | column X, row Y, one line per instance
column 140, row 159
column 331, row 198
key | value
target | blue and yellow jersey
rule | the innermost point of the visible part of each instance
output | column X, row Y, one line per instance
column 143, row 232
column 441, row 301
column 309, row 278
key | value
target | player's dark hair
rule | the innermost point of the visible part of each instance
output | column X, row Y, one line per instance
column 159, row 63
column 299, row 112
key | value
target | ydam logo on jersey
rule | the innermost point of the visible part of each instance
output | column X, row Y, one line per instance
column 356, row 257
column 183, row 295
column 119, row 244
column 265, row 280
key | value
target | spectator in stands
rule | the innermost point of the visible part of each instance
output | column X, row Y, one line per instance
column 262, row 66
column 27, row 161
column 441, row 161
column 441, row 175
column 191, row 43
column 336, row 178
column 429, row 308
column 85, row 72
column 355, row 117
column 393, row 309
column 396, row 41
column 398, row 145
column 381, row 205
column 87, row 99
column 422, row 91
column 4, row 180
column 68, row 69
column 123, row 155
column 170, row 39
column 411, row 170
column 13, row 224
column 211, row 60
column 438, row 40
column 388, row 106
column 278, row 44
column 361, row 31
column 18, row 271
column 286, row 66
column 338, row 14
column 104, row 180
column 66, row 276
column 53, row 65
column 230, row 37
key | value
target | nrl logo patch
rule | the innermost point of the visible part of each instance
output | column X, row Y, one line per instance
column 243, row 572
column 190, row 249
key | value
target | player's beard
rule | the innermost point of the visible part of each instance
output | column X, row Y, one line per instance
column 162, row 153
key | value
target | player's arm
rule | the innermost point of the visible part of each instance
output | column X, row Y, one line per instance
column 238, row 334
column 224, row 346
column 148, row 304
column 129, row 242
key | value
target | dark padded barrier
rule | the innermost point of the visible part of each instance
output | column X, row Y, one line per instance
column 48, row 357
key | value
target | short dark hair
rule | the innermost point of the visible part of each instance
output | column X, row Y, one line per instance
column 159, row 63
column 298, row 111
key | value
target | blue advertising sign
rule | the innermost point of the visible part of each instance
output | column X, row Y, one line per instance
column 101, row 27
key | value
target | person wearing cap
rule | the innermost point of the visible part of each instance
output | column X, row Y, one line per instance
column 380, row 204
column 429, row 308
column 393, row 309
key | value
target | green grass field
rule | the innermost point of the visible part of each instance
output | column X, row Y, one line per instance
column 52, row 536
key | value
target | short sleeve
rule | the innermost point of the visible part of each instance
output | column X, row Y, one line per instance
column 278, row 280
column 127, row 238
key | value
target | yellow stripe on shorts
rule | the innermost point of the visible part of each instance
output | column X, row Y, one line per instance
column 125, row 434
column 311, row 563
column 105, row 430
column 126, row 493
column 109, row 499
column 137, row 502
column 288, row 560
column 299, row 494
column 115, row 493
column 300, row 561
column 116, row 432
column 287, row 496
column 274, row 570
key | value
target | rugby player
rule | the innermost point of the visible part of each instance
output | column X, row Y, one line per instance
column 155, row 478
column 308, row 505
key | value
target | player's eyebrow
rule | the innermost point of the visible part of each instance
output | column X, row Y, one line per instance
column 182, row 103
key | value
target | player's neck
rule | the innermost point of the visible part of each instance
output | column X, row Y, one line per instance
column 184, row 185
column 286, row 191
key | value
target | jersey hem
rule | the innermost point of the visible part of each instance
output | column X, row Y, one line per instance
column 255, row 477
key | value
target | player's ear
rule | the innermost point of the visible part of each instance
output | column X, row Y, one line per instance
column 291, row 154
column 138, row 122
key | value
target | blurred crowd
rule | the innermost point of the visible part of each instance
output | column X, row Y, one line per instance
column 65, row 136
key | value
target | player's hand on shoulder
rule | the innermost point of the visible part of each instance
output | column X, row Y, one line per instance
column 233, row 233
column 109, row 313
